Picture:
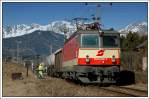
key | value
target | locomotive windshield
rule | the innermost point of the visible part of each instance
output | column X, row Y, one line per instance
column 90, row 40
column 110, row 41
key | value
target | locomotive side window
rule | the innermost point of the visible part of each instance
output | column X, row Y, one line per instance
column 110, row 41
column 90, row 40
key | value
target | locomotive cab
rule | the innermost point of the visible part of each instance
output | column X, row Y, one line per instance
column 94, row 46
column 99, row 56
column 92, row 56
column 94, row 39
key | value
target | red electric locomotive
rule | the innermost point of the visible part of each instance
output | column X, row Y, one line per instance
column 90, row 55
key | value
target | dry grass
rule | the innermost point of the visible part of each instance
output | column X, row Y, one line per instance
column 31, row 86
column 17, row 87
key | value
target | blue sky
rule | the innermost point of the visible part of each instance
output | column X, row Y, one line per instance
column 117, row 16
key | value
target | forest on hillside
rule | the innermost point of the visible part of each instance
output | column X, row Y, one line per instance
column 133, row 49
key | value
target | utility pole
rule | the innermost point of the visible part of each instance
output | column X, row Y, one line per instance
column 12, row 51
column 51, row 27
column 65, row 30
column 51, row 48
column 18, row 42
column 97, row 17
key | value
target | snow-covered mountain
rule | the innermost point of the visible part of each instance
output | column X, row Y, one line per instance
column 37, row 42
column 56, row 26
column 139, row 27
column 22, row 29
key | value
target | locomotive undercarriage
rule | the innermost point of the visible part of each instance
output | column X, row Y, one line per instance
column 88, row 74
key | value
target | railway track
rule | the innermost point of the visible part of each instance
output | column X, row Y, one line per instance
column 125, row 91
column 122, row 91
column 118, row 90
column 144, row 91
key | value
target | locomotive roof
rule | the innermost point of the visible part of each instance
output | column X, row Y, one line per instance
column 91, row 31
column 95, row 31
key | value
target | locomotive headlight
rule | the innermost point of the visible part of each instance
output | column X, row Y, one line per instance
column 87, row 59
column 113, row 59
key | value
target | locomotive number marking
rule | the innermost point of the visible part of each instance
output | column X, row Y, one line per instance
column 99, row 59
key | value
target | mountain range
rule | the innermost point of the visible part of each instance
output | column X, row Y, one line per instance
column 23, row 29
column 139, row 27
column 57, row 26
column 36, row 43
column 39, row 39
